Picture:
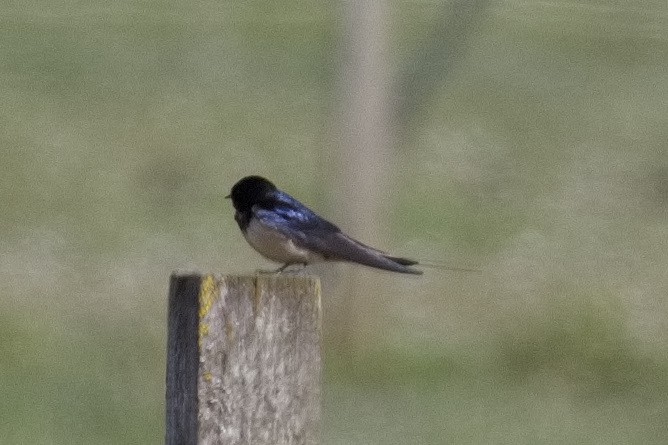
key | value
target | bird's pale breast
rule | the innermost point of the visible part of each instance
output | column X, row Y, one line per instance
column 276, row 246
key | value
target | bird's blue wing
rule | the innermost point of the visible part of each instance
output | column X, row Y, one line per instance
column 306, row 229
column 293, row 219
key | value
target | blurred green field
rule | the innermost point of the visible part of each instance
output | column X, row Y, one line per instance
column 542, row 156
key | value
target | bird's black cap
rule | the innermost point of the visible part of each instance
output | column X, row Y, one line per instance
column 249, row 190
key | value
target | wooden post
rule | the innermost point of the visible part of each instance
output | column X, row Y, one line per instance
column 243, row 360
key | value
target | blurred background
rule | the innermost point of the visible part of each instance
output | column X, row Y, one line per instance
column 528, row 139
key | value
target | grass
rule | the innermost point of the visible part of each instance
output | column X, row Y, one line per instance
column 541, row 158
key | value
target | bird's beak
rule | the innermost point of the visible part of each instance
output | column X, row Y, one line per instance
column 228, row 197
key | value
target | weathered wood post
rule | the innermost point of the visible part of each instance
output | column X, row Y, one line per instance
column 243, row 360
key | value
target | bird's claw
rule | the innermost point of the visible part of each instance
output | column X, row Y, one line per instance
column 282, row 269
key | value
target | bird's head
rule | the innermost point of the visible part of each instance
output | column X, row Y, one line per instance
column 249, row 191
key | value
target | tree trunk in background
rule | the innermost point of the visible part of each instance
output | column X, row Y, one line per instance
column 378, row 115
column 364, row 156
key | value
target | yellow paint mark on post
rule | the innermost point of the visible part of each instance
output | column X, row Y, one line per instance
column 203, row 330
column 207, row 296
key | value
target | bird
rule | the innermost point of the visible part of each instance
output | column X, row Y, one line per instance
column 285, row 231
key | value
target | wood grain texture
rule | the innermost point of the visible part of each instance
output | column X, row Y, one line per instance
column 259, row 360
column 182, row 360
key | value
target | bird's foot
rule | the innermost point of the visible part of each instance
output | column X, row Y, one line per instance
column 265, row 272
column 284, row 269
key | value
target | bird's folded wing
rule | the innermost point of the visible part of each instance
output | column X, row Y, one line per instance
column 316, row 234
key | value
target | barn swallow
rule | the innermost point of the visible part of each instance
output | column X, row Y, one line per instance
column 284, row 230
